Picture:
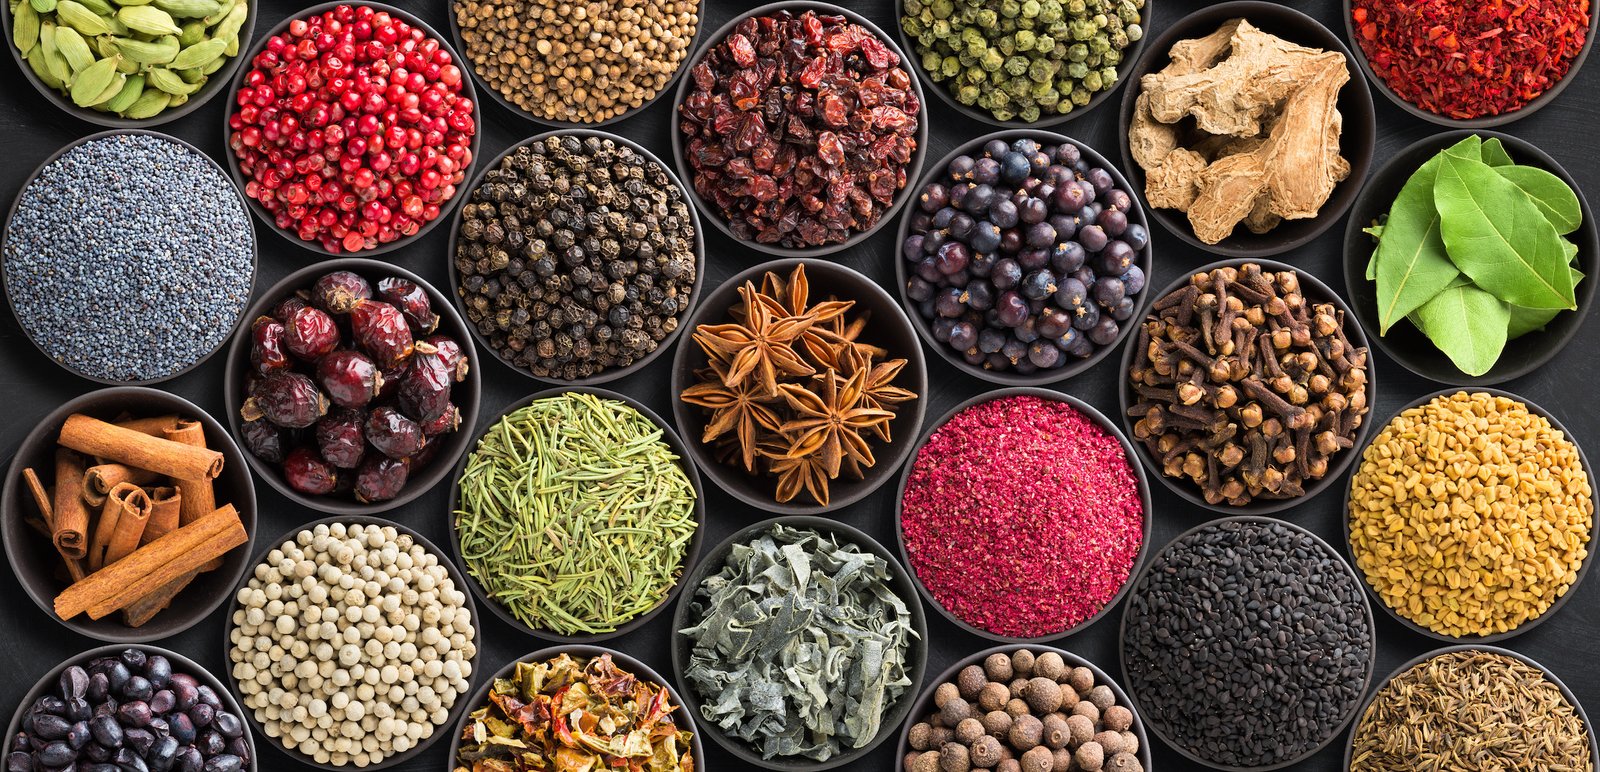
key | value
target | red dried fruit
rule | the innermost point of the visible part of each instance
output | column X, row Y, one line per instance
column 308, row 474
column 393, row 434
column 412, row 300
column 380, row 330
column 451, row 353
column 381, row 479
column 285, row 398
column 350, row 378
column 286, row 308
column 338, row 291
column 390, row 383
column 266, row 345
column 263, row 440
column 310, row 332
column 339, row 438
column 448, row 421
column 425, row 387
column 421, row 458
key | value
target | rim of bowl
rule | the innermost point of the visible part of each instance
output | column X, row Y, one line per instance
column 900, row 581
column 605, row 376
column 456, row 711
column 1041, row 377
column 243, row 500
column 1572, row 699
column 733, row 480
column 679, row 151
column 1363, row 134
column 1372, row 649
column 1125, row 68
column 1583, row 570
column 205, row 677
column 1183, row 487
column 468, row 90
column 924, row 703
column 1141, row 481
column 1533, row 106
column 691, row 556
column 16, row 204
column 621, row 659
column 215, row 82
column 1358, row 250
column 494, row 94
column 471, row 389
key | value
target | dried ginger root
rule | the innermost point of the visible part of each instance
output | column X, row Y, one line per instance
column 1197, row 54
column 1300, row 154
column 1234, row 96
column 1149, row 140
column 1228, row 191
column 1176, row 183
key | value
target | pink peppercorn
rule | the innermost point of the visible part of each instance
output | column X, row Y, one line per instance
column 1022, row 516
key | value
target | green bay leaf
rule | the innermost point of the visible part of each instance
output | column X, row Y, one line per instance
column 1468, row 324
column 1494, row 234
column 1494, row 153
column 1549, row 193
column 1411, row 264
column 1526, row 320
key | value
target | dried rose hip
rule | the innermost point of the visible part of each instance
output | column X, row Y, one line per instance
column 381, row 479
column 339, row 438
column 264, row 440
column 266, row 345
column 449, row 352
column 349, row 377
column 286, row 308
column 310, row 332
column 285, row 398
column 425, row 387
column 309, row 474
column 390, row 383
column 412, row 301
column 393, row 434
column 448, row 421
column 338, row 291
column 421, row 458
column 380, row 330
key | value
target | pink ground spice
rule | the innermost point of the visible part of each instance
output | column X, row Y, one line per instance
column 1022, row 517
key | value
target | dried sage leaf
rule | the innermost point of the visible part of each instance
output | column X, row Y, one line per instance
column 1496, row 236
column 1468, row 324
column 1553, row 197
column 1411, row 264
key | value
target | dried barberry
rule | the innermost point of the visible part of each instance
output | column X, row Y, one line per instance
column 285, row 398
column 381, row 479
column 338, row 291
column 412, row 301
column 286, row 308
column 448, row 421
column 266, row 345
column 350, row 378
column 425, row 387
column 380, row 330
column 450, row 353
column 309, row 333
column 308, row 473
column 340, row 440
column 264, row 440
column 393, row 434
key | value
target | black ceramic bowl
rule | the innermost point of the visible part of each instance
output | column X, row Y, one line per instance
column 1139, row 477
column 465, row 394
column 485, row 87
column 893, row 715
column 1476, row 123
column 1315, row 292
column 683, row 717
column 445, row 208
column 457, row 710
column 17, row 202
column 36, row 561
column 1332, row 733
column 925, row 326
column 1405, row 343
column 888, row 327
column 180, row 663
column 699, row 259
column 679, row 148
column 1572, row 699
column 215, row 83
column 1583, row 570
column 925, row 707
column 690, row 556
column 1355, row 104
column 1130, row 55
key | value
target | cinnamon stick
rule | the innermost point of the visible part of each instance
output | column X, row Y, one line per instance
column 165, row 504
column 212, row 548
column 198, row 496
column 141, row 611
column 98, row 480
column 69, row 518
column 121, row 522
column 152, row 426
column 45, row 523
column 154, row 565
column 173, row 459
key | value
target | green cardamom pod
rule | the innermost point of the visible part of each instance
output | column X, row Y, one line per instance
column 189, row 9
column 169, row 81
column 193, row 32
column 47, row 36
column 118, row 80
column 106, row 46
column 43, row 6
column 159, row 51
column 25, row 28
column 233, row 47
column 227, row 7
column 88, row 84
column 81, row 18
column 214, row 65
column 228, row 26
column 132, row 2
column 74, row 48
column 178, row 99
column 39, row 62
column 148, row 105
column 146, row 18
column 132, row 88
column 116, row 27
column 199, row 54
column 101, row 7
column 59, row 67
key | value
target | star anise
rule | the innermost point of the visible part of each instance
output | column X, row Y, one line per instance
column 760, row 346
column 800, row 474
column 824, row 339
column 879, row 391
column 737, row 409
column 829, row 423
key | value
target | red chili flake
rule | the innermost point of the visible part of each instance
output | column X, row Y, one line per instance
column 818, row 101
column 1473, row 58
column 1022, row 516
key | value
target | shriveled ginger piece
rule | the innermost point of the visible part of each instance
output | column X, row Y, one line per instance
column 1302, row 154
column 1176, row 182
column 1228, row 191
column 1235, row 96
column 1196, row 54
column 1149, row 141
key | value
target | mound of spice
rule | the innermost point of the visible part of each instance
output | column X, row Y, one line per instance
column 1241, row 127
column 133, row 514
column 172, row 244
column 1022, row 516
column 130, row 711
column 1471, row 711
column 798, row 129
column 572, row 713
column 1471, row 514
column 1247, row 643
column 352, row 128
column 575, row 256
column 800, row 644
column 1471, row 60
column 351, row 643
column 579, row 62
column 1023, row 59
column 790, row 390
column 575, row 514
column 1024, row 712
column 360, row 366
column 1244, row 387
column 1026, row 256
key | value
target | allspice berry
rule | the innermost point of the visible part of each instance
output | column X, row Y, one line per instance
column 1080, row 730
column 1008, row 765
column 1117, row 718
column 1026, row 732
column 1109, row 741
column 954, row 757
column 993, row 696
column 1016, row 706
column 1124, row 762
column 919, row 735
column 928, row 761
column 1130, row 742
column 1022, row 663
column 1056, row 732
column 954, row 711
column 1090, row 756
column 1087, row 710
column 998, row 667
column 970, row 681
column 970, row 729
column 1043, row 694
column 1063, row 760
column 1049, row 665
column 1081, row 679
column 997, row 722
column 945, row 693
column 985, row 752
column 1102, row 697
column 1038, row 759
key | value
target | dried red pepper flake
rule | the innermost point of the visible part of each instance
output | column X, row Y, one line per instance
column 1022, row 516
column 1466, row 60
column 799, row 129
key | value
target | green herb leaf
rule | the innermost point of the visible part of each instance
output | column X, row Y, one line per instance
column 1468, row 325
column 1526, row 320
column 1374, row 230
column 1411, row 264
column 1494, row 153
column 1515, row 251
column 1549, row 193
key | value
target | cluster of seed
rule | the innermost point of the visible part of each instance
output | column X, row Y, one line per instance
column 351, row 643
column 129, row 258
column 1470, row 515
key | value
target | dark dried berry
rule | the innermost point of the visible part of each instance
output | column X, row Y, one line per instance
column 286, row 308
column 285, row 398
column 349, row 377
column 412, row 300
column 389, row 384
column 447, row 422
column 338, row 291
column 450, row 353
column 381, row 479
column 309, row 474
column 310, row 333
column 339, row 438
column 393, row 434
column 380, row 330
column 425, row 388
column 267, row 345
